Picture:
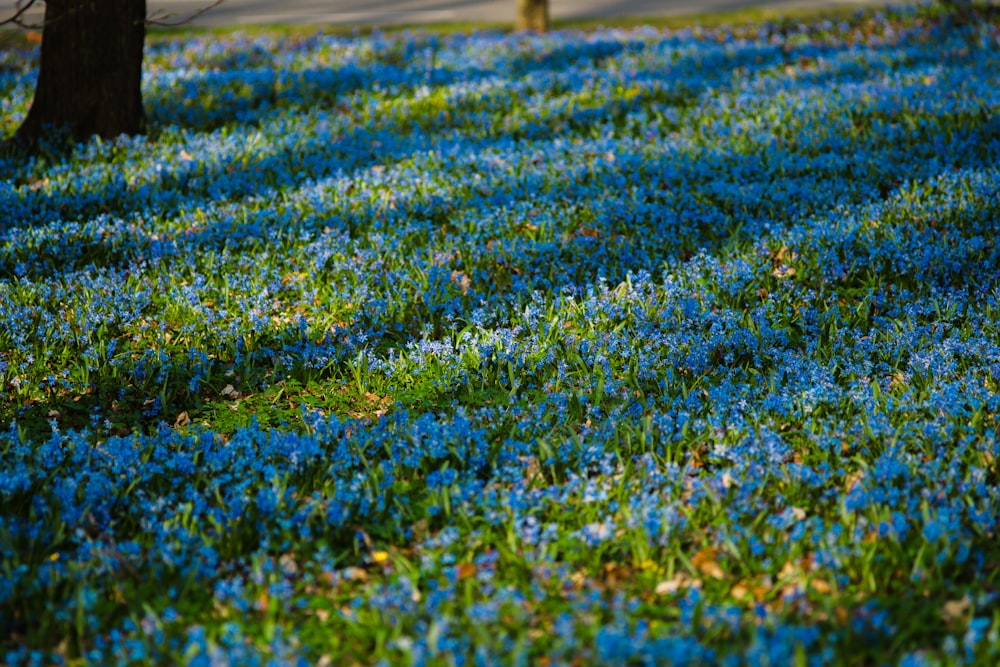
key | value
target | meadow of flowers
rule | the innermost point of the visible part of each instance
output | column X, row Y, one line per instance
column 615, row 347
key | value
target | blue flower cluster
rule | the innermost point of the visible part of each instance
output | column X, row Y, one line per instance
column 629, row 346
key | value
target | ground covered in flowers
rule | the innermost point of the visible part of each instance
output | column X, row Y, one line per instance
column 648, row 346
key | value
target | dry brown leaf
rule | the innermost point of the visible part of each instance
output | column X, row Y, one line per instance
column 783, row 272
column 852, row 480
column 706, row 562
column 987, row 459
column 742, row 593
column 462, row 280
column 669, row 586
column 680, row 582
column 820, row 586
column 955, row 610
column 780, row 259
column 782, row 254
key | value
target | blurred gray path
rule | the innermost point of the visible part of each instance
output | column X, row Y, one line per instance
column 389, row 12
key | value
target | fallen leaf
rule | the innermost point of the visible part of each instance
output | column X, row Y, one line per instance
column 955, row 610
column 853, row 479
column 783, row 272
column 706, row 562
column 462, row 280
column 787, row 570
column 668, row 587
column 679, row 582
column 842, row 614
column 820, row 586
column 782, row 254
column 741, row 593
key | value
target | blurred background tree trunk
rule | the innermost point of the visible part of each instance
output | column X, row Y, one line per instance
column 532, row 15
column 90, row 73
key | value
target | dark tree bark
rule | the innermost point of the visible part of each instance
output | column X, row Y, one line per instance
column 90, row 74
column 533, row 15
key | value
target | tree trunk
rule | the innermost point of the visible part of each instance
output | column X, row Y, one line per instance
column 533, row 15
column 90, row 74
